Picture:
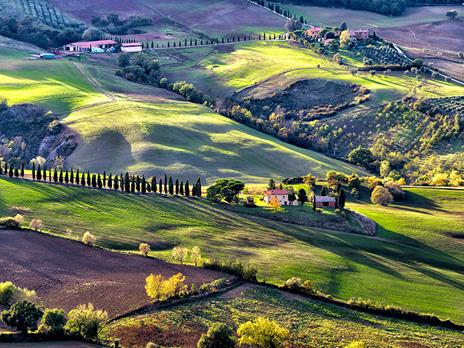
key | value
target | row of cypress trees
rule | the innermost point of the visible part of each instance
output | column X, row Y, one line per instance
column 129, row 183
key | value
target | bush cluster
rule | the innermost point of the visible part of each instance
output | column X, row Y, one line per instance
column 246, row 272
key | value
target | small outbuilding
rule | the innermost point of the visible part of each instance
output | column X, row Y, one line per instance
column 91, row 46
column 131, row 47
column 47, row 56
column 281, row 195
column 324, row 202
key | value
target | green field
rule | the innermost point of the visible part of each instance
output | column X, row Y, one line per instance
column 270, row 64
column 364, row 19
column 413, row 262
column 311, row 323
column 185, row 140
column 57, row 84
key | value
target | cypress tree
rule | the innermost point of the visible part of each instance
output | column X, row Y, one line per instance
column 144, row 185
column 198, row 187
column 33, row 170
column 314, row 202
column 22, row 170
column 187, row 189
column 94, row 181
column 341, row 199
column 194, row 191
column 16, row 172
column 127, row 183
column 10, row 172
column 99, row 182
column 177, row 186
column 44, row 174
column 160, row 186
column 6, row 168
column 39, row 173
column 132, row 185
column 171, row 186
column 55, row 176
column 165, row 184
column 137, row 184
column 83, row 179
column 104, row 178
column 323, row 192
column 50, row 174
column 71, row 176
column 89, row 183
column 66, row 177
column 116, row 182
column 153, row 184
column 77, row 176
column 181, row 189
column 110, row 181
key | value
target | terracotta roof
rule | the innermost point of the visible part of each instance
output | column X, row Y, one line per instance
column 131, row 44
column 276, row 192
column 88, row 44
column 324, row 199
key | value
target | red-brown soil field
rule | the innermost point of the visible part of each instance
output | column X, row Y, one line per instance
column 66, row 273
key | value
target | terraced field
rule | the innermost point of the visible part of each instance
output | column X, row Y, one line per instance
column 415, row 261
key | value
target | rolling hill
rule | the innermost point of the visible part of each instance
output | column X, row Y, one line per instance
column 415, row 261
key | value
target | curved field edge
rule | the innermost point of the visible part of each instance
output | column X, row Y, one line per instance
column 420, row 270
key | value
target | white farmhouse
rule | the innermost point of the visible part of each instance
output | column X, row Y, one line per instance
column 131, row 47
column 282, row 197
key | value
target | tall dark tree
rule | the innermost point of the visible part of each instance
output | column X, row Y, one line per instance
column 66, row 177
column 144, row 185
column 61, row 176
column 302, row 197
column 104, row 178
column 33, row 170
column 153, row 184
column 89, row 180
column 198, row 187
column 71, row 176
column 77, row 179
column 137, row 183
column 55, row 175
column 181, row 189
column 160, row 186
column 132, row 185
column 44, row 173
column 187, row 189
column 194, row 191
column 10, row 171
column 127, row 183
column 324, row 192
column 16, row 172
column 165, row 184
column 171, row 186
column 22, row 170
column 99, row 182
column 110, row 181
column 177, row 186
column 83, row 179
column 94, row 181
column 341, row 199
column 50, row 174
column 38, row 173
column 116, row 182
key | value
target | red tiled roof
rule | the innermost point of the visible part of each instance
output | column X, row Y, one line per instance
column 131, row 44
column 276, row 192
column 88, row 44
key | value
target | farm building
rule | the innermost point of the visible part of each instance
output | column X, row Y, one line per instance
column 90, row 46
column 362, row 34
column 281, row 195
column 324, row 201
column 313, row 32
column 47, row 56
column 131, row 47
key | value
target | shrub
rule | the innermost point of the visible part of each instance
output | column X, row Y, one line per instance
column 179, row 254
column 196, row 255
column 381, row 196
column 395, row 190
column 89, row 239
column 293, row 283
column 9, row 223
column 10, row 294
column 356, row 344
column 247, row 272
column 36, row 224
column 85, row 321
column 22, row 316
column 144, row 249
column 53, row 322
column 159, row 288
column 262, row 333
column 218, row 335
column 19, row 219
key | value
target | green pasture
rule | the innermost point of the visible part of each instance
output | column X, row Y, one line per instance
column 257, row 66
column 55, row 84
column 185, row 140
column 311, row 323
column 413, row 262
column 325, row 16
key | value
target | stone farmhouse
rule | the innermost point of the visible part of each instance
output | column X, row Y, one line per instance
column 324, row 201
column 281, row 195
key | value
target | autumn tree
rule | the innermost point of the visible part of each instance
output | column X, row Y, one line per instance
column 144, row 249
column 274, row 203
column 263, row 333
column 179, row 254
column 380, row 195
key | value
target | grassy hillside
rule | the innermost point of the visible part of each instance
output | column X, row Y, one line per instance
column 57, row 84
column 413, row 262
column 311, row 323
column 186, row 140
column 272, row 64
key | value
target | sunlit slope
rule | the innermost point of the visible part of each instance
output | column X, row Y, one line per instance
column 185, row 140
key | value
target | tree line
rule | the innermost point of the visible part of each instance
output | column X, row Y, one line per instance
column 128, row 183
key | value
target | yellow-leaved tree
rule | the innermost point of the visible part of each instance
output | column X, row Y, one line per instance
column 263, row 333
column 159, row 288
column 345, row 39
column 274, row 203
column 153, row 284
column 381, row 196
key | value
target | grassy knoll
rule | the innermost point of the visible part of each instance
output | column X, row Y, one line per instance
column 185, row 140
column 413, row 262
column 364, row 19
column 312, row 324
column 270, row 64
column 54, row 84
